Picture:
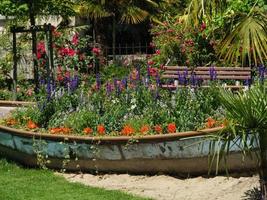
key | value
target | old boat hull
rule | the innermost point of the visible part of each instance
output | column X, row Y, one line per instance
column 180, row 153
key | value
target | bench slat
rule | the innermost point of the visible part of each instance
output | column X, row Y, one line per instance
column 208, row 73
column 208, row 68
column 207, row 77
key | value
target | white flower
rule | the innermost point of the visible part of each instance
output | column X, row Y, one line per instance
column 133, row 106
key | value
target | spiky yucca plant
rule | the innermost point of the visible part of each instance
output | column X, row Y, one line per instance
column 247, row 114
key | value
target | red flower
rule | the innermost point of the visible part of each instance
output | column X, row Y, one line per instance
column 171, row 128
column 31, row 125
column 67, row 51
column 75, row 39
column 144, row 129
column 127, row 130
column 158, row 129
column 101, row 129
column 158, row 52
column 87, row 131
column 96, row 51
column 153, row 71
column 40, row 50
column 59, row 77
column 151, row 62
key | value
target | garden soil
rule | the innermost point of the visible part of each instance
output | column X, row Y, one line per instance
column 163, row 187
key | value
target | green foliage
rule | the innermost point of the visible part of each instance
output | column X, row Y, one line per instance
column 238, row 27
column 138, row 105
column 248, row 109
column 43, row 7
column 182, row 46
column 246, row 120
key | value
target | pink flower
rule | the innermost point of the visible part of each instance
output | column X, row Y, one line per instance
column 150, row 62
column 170, row 30
column 153, row 71
column 158, row 52
column 96, row 51
column 67, row 51
column 152, row 45
column 203, row 26
column 40, row 50
column 75, row 39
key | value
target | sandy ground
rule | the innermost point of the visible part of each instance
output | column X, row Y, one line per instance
column 170, row 188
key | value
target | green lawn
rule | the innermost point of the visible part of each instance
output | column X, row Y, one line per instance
column 18, row 183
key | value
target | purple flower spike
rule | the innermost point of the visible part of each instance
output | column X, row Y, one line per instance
column 108, row 89
column 158, row 80
column 124, row 83
column 213, row 73
column 247, row 82
column 184, row 78
column 98, row 81
column 48, row 90
column 261, row 73
column 193, row 79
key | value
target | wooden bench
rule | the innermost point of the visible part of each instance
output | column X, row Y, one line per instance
column 201, row 76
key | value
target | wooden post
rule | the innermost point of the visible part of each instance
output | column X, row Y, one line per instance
column 14, row 65
column 51, row 52
column 34, row 44
column 47, row 50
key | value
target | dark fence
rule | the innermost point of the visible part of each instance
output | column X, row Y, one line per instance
column 126, row 49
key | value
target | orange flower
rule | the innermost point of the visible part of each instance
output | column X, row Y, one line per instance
column 210, row 123
column 171, row 128
column 144, row 129
column 158, row 129
column 11, row 122
column 127, row 130
column 55, row 130
column 59, row 130
column 101, row 129
column 31, row 125
column 87, row 131
column 65, row 130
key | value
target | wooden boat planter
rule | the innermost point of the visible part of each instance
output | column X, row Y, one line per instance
column 178, row 153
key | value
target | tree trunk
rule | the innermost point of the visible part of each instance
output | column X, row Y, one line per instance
column 263, row 166
column 34, row 45
column 113, row 37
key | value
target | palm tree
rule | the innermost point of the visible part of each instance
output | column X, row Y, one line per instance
column 122, row 11
column 247, row 113
column 242, row 26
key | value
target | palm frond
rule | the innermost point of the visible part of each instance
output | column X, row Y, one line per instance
column 247, row 41
column 134, row 15
column 92, row 10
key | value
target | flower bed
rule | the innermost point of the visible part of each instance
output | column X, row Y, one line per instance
column 122, row 108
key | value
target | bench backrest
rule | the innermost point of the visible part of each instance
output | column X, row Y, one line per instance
column 208, row 73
